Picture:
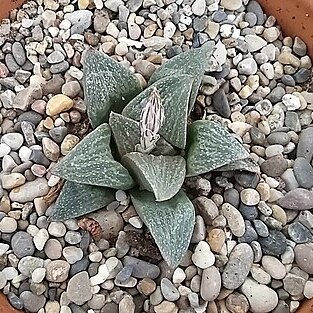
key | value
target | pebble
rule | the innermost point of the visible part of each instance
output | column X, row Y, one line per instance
column 57, row 229
column 238, row 266
column 32, row 302
column 221, row 104
column 198, row 7
column 30, row 190
column 202, row 256
column 308, row 289
column 299, row 233
column 58, row 104
column 305, row 144
column 247, row 66
column 22, row 244
column 142, row 269
column 255, row 43
column 169, row 291
column 303, row 172
column 237, row 303
column 291, row 102
column 15, row 301
column 57, row 271
column 13, row 140
column 275, row 244
column 79, row 289
column 274, row 166
column 72, row 254
column 297, row 199
column 303, row 256
column 261, row 298
column 210, row 283
column 274, row 267
column 234, row 219
column 249, row 196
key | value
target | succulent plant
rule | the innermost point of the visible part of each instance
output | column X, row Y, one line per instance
column 141, row 142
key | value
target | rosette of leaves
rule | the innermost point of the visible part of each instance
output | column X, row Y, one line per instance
column 108, row 158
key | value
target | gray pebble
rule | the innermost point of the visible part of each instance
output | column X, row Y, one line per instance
column 260, row 228
column 59, row 67
column 297, row 199
column 15, row 301
column 254, row 6
column 11, row 63
column 288, row 80
column 142, row 269
column 58, row 133
column 302, row 76
column 18, row 53
column 299, row 233
column 251, row 18
column 249, row 212
column 278, row 138
column 221, row 104
column 276, row 94
column 299, row 47
column 249, row 235
column 22, row 244
column 303, row 172
column 274, row 166
column 238, row 266
column 305, row 144
column 275, row 244
column 32, row 302
column 169, row 291
column 292, row 121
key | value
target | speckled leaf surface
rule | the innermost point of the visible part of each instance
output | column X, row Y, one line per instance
column 247, row 164
column 175, row 92
column 79, row 199
column 126, row 133
column 163, row 175
column 211, row 146
column 91, row 163
column 170, row 222
column 108, row 86
column 193, row 62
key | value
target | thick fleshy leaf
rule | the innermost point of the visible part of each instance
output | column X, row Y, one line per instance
column 126, row 133
column 211, row 146
column 163, row 175
column 108, row 86
column 79, row 199
column 175, row 92
column 193, row 62
column 247, row 164
column 170, row 222
column 91, row 163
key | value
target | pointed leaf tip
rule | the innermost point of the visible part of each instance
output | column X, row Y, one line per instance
column 91, row 162
column 79, row 199
column 162, row 175
column 108, row 86
column 170, row 222
column 211, row 147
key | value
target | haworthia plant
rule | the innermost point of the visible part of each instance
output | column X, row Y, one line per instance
column 154, row 171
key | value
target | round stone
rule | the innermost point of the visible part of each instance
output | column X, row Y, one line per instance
column 79, row 289
column 260, row 297
column 304, row 256
column 238, row 266
column 237, row 303
column 275, row 244
column 169, row 291
column 247, row 66
column 32, row 303
column 22, row 244
column 57, row 271
column 58, row 104
column 210, row 283
column 13, row 140
column 53, row 249
column 274, row 267
column 202, row 256
column 72, row 254
column 249, row 196
column 234, row 219
column 8, row 225
column 57, row 229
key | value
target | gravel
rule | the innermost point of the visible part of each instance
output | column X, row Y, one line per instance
column 252, row 241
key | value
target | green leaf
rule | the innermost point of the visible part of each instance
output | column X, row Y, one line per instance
column 79, row 199
column 163, row 175
column 193, row 62
column 170, row 222
column 91, row 163
column 211, row 146
column 175, row 92
column 247, row 164
column 108, row 86
column 126, row 133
